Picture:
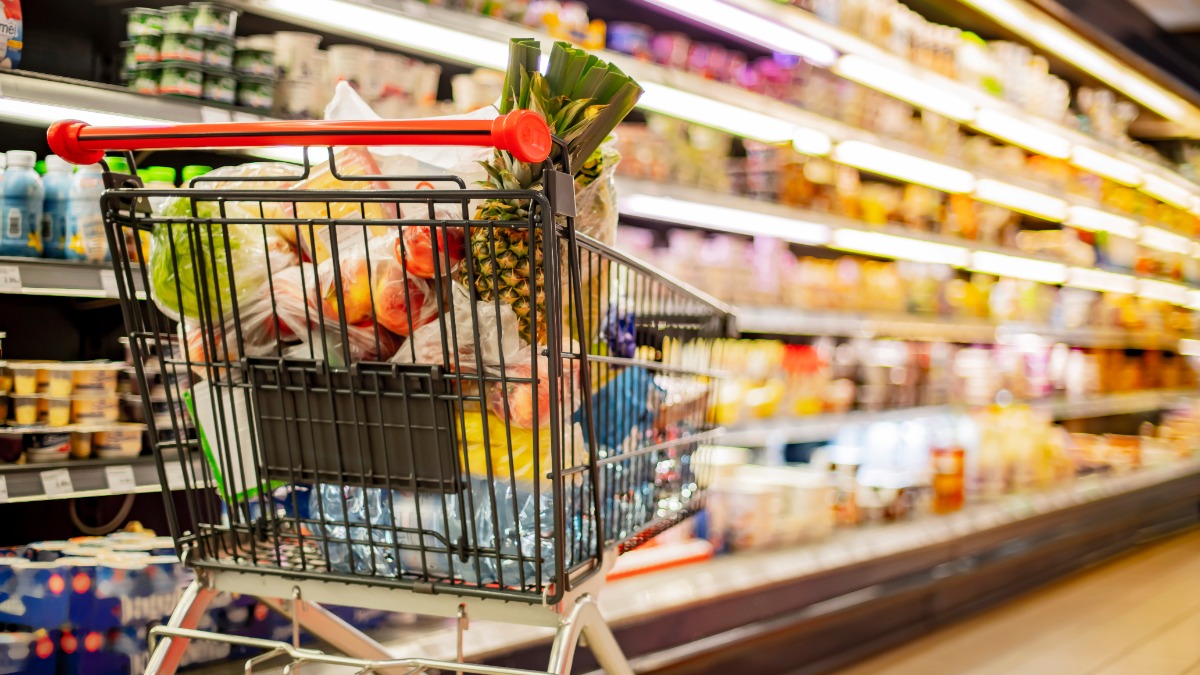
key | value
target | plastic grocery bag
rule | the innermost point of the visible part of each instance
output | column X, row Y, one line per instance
column 596, row 202
column 495, row 335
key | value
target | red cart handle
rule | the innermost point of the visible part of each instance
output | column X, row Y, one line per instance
column 522, row 132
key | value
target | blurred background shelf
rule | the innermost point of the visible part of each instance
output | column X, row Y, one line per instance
column 88, row 478
column 63, row 278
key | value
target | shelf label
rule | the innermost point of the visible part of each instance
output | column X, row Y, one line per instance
column 3, row 490
column 10, row 278
column 56, row 482
column 174, row 471
column 120, row 478
column 108, row 283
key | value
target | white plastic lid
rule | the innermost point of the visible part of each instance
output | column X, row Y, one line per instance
column 21, row 159
column 3, row 161
column 57, row 164
column 90, row 168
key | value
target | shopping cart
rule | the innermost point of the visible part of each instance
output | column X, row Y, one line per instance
column 481, row 442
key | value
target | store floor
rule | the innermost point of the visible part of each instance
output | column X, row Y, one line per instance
column 1139, row 614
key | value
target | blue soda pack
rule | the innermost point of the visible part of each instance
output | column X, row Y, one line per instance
column 33, row 594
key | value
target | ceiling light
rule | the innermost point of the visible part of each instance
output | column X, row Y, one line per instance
column 1022, row 133
column 1095, row 220
column 1020, row 199
column 1018, row 268
column 724, row 219
column 884, row 162
column 904, row 87
column 811, row 142
column 1168, row 242
column 1106, row 166
column 1099, row 280
column 1167, row 191
column 757, row 29
column 1164, row 291
column 898, row 248
column 390, row 27
column 739, row 121
column 45, row 114
column 1048, row 34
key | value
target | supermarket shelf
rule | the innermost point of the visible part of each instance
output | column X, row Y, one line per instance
column 817, row 428
column 31, row 276
column 786, row 321
column 676, row 619
column 37, row 100
column 86, row 478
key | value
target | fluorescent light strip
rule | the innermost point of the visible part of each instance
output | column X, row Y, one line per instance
column 1049, row 35
column 1167, row 242
column 739, row 121
column 38, row 114
column 1095, row 220
column 1164, row 291
column 1099, row 280
column 1193, row 300
column 904, row 87
column 899, row 248
column 1189, row 347
column 1022, row 133
column 1018, row 268
column 724, row 219
column 749, row 26
column 1167, row 191
column 1106, row 165
column 876, row 159
column 1020, row 199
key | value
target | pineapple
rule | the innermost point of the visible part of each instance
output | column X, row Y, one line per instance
column 590, row 171
column 582, row 100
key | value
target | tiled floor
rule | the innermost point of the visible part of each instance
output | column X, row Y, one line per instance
column 1139, row 615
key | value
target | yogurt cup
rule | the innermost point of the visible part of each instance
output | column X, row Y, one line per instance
column 118, row 442
column 61, row 381
column 220, row 87
column 179, row 19
column 25, row 376
column 94, row 378
column 214, row 19
column 143, row 49
column 218, row 53
column 183, row 47
column 58, row 411
column 259, row 62
column 93, row 409
column 143, row 21
column 25, row 410
column 81, row 444
column 182, row 79
column 256, row 92
column 6, row 378
column 146, row 79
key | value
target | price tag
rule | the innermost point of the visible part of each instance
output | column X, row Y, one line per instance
column 56, row 482
column 214, row 115
column 108, row 283
column 246, row 117
column 120, row 478
column 3, row 490
column 10, row 278
column 174, row 471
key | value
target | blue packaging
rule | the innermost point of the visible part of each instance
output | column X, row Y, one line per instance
column 15, row 652
column 86, row 239
column 33, row 594
column 21, row 209
column 57, row 183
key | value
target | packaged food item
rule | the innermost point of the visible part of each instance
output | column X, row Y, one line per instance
column 94, row 378
column 182, row 47
column 194, row 171
column 6, row 378
column 46, row 446
column 58, row 411
column 220, row 87
column 122, row 441
column 62, row 380
column 24, row 197
column 54, row 209
column 218, row 53
column 146, row 79
column 182, row 79
column 146, row 49
column 90, row 409
column 258, row 62
column 14, row 33
column 630, row 38
column 256, row 92
column 213, row 19
column 178, row 18
column 81, row 444
column 143, row 21
column 25, row 377
column 86, row 239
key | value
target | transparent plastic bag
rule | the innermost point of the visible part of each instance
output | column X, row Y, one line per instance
column 496, row 335
column 596, row 203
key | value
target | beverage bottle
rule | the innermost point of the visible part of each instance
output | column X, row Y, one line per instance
column 20, row 227
column 85, row 222
column 57, row 182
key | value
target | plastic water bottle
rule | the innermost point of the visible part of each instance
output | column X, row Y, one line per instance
column 85, row 222
column 57, row 182
column 21, row 214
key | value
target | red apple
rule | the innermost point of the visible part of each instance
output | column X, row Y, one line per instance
column 416, row 249
column 521, row 397
column 398, row 297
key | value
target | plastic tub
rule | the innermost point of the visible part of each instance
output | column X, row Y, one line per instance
column 93, row 409
column 95, row 378
column 179, row 19
column 259, row 62
column 47, row 446
column 145, row 48
column 58, row 411
column 220, row 87
column 350, row 63
column 143, row 21
column 62, row 381
column 25, row 377
column 146, row 79
column 218, row 53
column 81, row 444
column 182, row 47
column 214, row 19
column 256, row 92
column 6, row 379
column 12, row 445
column 25, row 410
column 118, row 442
column 296, row 54
column 182, row 79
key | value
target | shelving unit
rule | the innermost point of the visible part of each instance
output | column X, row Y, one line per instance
column 33, row 276
column 87, row 478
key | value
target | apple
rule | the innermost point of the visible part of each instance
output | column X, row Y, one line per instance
column 415, row 249
column 398, row 297
column 521, row 396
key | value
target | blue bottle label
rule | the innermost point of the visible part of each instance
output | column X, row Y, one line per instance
column 19, row 229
